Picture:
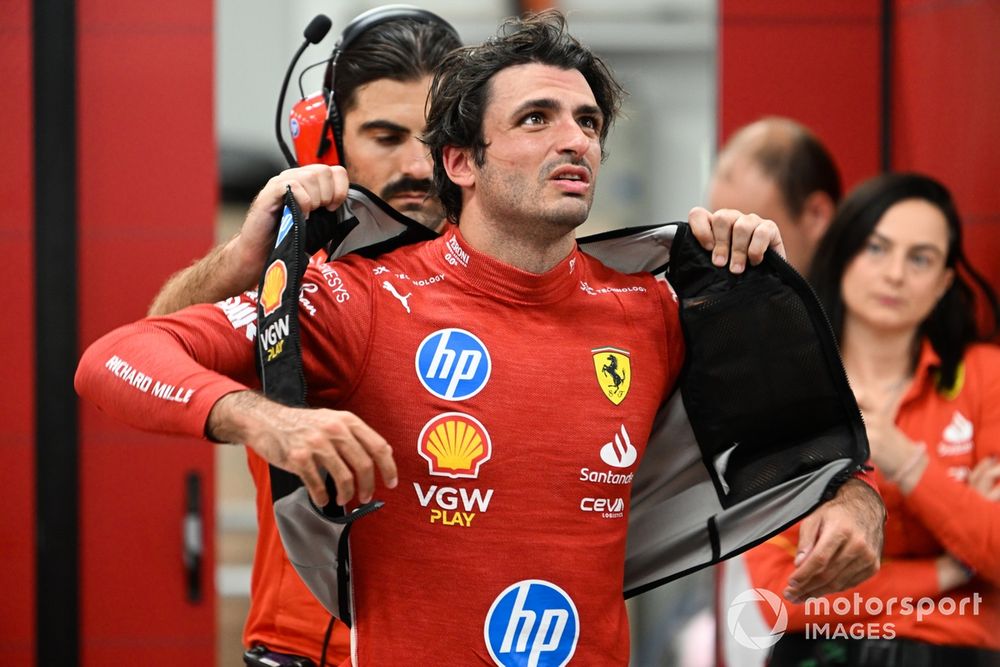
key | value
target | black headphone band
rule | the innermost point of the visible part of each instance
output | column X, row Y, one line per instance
column 373, row 17
column 357, row 27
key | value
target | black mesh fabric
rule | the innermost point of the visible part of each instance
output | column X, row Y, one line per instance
column 739, row 321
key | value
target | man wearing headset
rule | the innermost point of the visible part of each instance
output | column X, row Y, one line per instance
column 379, row 76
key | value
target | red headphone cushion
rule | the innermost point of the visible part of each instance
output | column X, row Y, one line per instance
column 306, row 125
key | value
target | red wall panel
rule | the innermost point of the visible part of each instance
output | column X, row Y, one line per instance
column 147, row 188
column 817, row 63
column 17, row 340
column 946, row 110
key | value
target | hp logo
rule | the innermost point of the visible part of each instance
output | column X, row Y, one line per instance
column 453, row 364
column 533, row 623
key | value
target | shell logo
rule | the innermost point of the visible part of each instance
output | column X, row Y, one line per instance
column 275, row 281
column 455, row 445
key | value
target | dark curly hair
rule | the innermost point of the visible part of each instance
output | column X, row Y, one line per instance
column 461, row 88
column 951, row 325
column 404, row 49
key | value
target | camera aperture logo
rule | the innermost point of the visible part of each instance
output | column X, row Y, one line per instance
column 851, row 616
column 752, row 598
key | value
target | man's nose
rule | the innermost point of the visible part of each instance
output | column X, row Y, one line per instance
column 417, row 159
column 573, row 138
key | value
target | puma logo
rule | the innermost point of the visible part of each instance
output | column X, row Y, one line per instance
column 386, row 285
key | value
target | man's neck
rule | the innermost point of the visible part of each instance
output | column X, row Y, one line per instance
column 534, row 249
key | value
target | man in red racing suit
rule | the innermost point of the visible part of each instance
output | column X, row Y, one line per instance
column 468, row 369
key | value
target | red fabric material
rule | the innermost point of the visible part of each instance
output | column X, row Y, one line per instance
column 814, row 62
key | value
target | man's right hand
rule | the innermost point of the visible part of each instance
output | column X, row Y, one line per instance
column 313, row 186
column 308, row 443
column 237, row 266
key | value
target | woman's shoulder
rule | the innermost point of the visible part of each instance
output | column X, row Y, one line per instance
column 984, row 357
column 980, row 369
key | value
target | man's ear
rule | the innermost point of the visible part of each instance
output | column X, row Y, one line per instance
column 817, row 212
column 458, row 165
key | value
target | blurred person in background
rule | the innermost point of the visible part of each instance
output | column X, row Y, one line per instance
column 381, row 80
column 893, row 278
column 778, row 169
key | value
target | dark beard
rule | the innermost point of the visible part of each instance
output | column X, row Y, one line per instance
column 406, row 184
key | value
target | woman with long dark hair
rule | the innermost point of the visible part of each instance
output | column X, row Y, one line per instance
column 902, row 299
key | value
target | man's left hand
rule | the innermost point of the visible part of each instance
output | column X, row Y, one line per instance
column 734, row 237
column 840, row 544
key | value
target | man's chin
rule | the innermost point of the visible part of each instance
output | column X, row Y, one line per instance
column 428, row 216
column 571, row 215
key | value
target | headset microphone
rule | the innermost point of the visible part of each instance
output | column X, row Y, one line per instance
column 314, row 33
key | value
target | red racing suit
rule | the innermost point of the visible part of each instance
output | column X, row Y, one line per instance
column 518, row 407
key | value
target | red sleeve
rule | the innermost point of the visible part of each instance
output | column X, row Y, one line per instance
column 867, row 475
column 962, row 520
column 164, row 374
column 771, row 564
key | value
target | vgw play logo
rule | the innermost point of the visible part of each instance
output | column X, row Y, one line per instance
column 532, row 623
column 747, row 602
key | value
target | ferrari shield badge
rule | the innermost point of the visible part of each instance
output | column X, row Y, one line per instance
column 614, row 372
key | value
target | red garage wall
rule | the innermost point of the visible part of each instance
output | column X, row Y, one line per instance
column 821, row 64
column 946, row 110
column 815, row 62
column 147, row 180
column 17, row 340
column 146, row 183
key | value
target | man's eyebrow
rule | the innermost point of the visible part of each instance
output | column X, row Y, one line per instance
column 381, row 124
column 541, row 103
column 549, row 103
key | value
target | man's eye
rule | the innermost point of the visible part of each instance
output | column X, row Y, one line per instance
column 388, row 139
column 592, row 123
column 534, row 118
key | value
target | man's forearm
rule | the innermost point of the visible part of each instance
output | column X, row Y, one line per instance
column 214, row 277
column 233, row 416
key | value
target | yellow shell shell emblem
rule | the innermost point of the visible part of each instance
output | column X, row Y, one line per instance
column 455, row 445
column 275, row 281
column 614, row 372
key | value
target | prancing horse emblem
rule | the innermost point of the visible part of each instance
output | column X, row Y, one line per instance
column 614, row 372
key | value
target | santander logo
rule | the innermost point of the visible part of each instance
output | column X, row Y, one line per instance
column 619, row 453
column 957, row 436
